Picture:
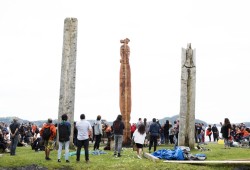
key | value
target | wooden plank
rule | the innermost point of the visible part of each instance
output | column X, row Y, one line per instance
column 151, row 157
column 208, row 162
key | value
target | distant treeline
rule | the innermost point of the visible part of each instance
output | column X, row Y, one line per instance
column 39, row 123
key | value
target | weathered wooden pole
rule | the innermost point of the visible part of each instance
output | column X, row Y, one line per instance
column 125, row 89
column 186, row 135
column 68, row 73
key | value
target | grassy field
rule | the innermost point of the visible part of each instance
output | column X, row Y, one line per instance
column 25, row 156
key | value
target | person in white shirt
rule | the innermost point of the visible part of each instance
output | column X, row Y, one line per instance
column 139, row 137
column 84, row 131
column 98, row 132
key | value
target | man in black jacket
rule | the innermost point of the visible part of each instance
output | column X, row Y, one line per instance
column 154, row 132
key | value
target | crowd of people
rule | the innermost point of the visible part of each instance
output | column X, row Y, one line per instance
column 232, row 133
column 17, row 134
column 144, row 134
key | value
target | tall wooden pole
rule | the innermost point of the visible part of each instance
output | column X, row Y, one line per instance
column 68, row 72
column 125, row 89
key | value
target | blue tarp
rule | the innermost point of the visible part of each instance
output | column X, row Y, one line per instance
column 175, row 154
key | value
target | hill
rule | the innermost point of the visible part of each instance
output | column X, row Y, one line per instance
column 39, row 123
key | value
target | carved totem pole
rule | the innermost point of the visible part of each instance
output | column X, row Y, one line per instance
column 125, row 89
column 186, row 135
column 68, row 72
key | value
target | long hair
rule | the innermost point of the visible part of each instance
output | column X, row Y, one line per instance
column 226, row 121
column 141, row 129
column 119, row 118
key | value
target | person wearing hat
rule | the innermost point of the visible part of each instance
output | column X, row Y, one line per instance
column 14, row 132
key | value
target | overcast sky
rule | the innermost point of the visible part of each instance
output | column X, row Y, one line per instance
column 31, row 40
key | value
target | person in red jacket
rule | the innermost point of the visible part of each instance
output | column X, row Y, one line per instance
column 132, row 129
column 48, row 141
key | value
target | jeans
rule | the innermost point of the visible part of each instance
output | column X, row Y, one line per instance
column 118, row 143
column 66, row 144
column 85, row 144
column 153, row 139
column 97, row 141
column 14, row 141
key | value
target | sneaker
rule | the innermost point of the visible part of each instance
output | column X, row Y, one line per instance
column 48, row 159
column 119, row 155
column 7, row 150
column 139, row 157
column 114, row 154
column 58, row 160
column 67, row 161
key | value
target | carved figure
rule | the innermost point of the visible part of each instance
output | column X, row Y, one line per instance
column 189, row 63
column 125, row 90
column 125, row 51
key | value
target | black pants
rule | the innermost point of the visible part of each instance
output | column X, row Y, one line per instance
column 153, row 139
column 97, row 141
column 171, row 139
column 215, row 135
column 85, row 144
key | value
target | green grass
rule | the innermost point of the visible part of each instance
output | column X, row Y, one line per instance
column 25, row 156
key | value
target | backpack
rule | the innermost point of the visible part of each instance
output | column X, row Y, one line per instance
column 63, row 132
column 46, row 133
column 116, row 127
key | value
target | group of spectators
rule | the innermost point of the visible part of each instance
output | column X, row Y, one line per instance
column 151, row 134
column 234, row 133
column 25, row 134
column 143, row 133
column 168, row 133
column 4, row 137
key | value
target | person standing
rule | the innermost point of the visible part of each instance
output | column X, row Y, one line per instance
column 166, row 131
column 132, row 129
column 14, row 132
column 118, row 127
column 98, row 132
column 147, row 125
column 139, row 137
column 215, row 133
column 226, row 132
column 138, row 123
column 209, row 132
column 48, row 133
column 64, row 130
column 84, row 130
column 154, row 131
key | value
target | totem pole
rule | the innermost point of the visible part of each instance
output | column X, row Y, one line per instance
column 125, row 89
column 186, row 135
column 68, row 73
